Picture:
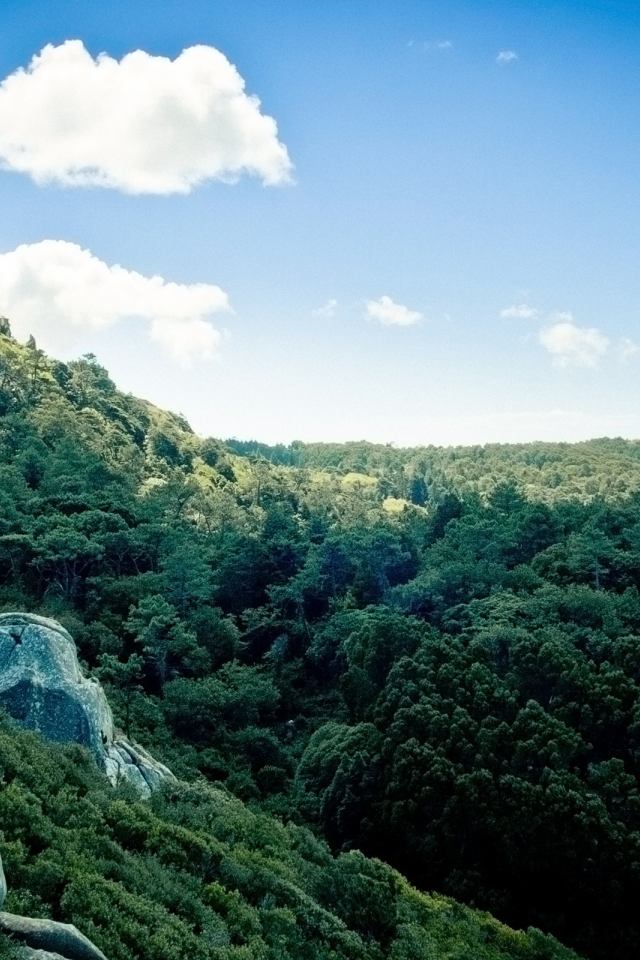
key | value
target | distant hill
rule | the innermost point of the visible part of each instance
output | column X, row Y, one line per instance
column 548, row 472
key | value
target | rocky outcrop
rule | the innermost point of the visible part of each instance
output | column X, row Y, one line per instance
column 44, row 689
column 62, row 939
column 46, row 939
column 132, row 762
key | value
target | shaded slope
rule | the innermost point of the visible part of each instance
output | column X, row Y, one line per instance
column 194, row 875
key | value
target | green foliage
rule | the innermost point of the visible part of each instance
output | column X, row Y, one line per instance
column 194, row 875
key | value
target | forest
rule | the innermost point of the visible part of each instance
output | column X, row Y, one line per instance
column 363, row 664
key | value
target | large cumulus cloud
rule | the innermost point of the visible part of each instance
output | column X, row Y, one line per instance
column 144, row 124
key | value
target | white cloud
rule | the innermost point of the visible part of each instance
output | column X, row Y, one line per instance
column 387, row 312
column 627, row 349
column 520, row 312
column 570, row 345
column 506, row 56
column 328, row 310
column 145, row 124
column 57, row 291
column 444, row 44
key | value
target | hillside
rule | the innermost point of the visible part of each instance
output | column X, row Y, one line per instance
column 194, row 875
column 432, row 657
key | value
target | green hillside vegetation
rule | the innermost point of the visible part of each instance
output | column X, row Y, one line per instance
column 431, row 657
column 194, row 875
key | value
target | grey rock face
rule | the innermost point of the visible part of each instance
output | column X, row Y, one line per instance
column 42, row 686
column 134, row 763
column 26, row 953
column 3, row 885
column 58, row 938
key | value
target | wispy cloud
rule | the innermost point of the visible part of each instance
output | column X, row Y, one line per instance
column 144, row 124
column 568, row 343
column 506, row 56
column 627, row 349
column 58, row 292
column 328, row 310
column 571, row 345
column 391, row 314
column 519, row 312
column 430, row 44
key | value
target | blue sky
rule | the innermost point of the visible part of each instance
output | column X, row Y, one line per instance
column 425, row 171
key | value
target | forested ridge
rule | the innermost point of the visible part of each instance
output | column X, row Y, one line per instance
column 546, row 472
column 430, row 657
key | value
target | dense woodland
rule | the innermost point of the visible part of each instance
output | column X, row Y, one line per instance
column 195, row 875
column 430, row 657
